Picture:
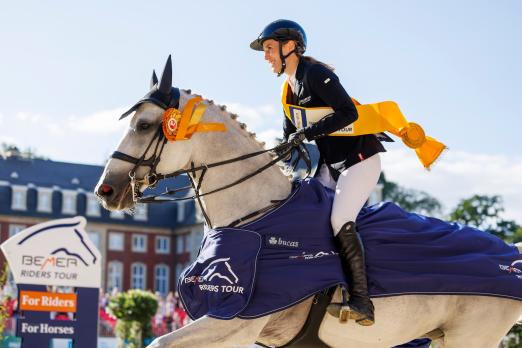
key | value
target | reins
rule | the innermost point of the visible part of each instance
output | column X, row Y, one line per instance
column 282, row 151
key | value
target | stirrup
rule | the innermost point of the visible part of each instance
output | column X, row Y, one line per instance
column 338, row 310
column 344, row 313
column 362, row 318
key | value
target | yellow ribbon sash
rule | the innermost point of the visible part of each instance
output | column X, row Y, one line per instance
column 181, row 125
column 373, row 118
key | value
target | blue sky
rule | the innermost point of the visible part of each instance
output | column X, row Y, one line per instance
column 67, row 69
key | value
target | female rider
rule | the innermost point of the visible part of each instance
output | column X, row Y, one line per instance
column 349, row 164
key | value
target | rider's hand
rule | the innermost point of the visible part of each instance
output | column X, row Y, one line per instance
column 296, row 138
column 284, row 151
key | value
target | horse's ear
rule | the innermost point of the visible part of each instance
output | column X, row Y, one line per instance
column 166, row 78
column 154, row 79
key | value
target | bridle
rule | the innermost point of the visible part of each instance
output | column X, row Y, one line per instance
column 178, row 126
column 150, row 180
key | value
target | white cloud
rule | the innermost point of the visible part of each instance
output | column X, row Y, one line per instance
column 265, row 120
column 258, row 118
column 7, row 140
column 101, row 122
column 458, row 175
column 28, row 117
column 84, row 139
column 1, row 119
column 269, row 137
column 54, row 128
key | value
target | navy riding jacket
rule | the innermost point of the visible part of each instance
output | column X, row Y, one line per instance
column 318, row 86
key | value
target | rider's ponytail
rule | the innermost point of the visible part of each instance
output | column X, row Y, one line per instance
column 315, row 61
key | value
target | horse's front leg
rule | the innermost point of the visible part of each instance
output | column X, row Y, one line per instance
column 213, row 333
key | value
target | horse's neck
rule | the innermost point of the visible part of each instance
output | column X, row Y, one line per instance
column 228, row 205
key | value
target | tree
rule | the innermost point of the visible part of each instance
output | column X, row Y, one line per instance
column 410, row 199
column 484, row 212
column 4, row 312
column 29, row 152
column 134, row 310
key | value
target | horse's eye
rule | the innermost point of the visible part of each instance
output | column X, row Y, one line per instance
column 143, row 126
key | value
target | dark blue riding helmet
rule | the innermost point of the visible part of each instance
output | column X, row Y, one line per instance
column 281, row 30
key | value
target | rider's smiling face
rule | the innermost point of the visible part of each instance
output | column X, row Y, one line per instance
column 271, row 50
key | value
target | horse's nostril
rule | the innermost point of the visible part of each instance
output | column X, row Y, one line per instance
column 105, row 190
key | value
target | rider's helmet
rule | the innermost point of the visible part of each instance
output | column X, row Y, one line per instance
column 282, row 30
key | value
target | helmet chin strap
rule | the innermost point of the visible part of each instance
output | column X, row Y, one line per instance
column 283, row 58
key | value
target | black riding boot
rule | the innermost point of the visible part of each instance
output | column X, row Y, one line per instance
column 352, row 256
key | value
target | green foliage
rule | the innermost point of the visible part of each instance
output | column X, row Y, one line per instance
column 517, row 236
column 484, row 212
column 134, row 310
column 29, row 152
column 513, row 338
column 410, row 199
column 3, row 309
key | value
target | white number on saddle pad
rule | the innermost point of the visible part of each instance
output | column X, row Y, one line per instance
column 299, row 117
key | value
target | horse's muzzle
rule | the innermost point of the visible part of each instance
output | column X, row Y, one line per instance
column 105, row 190
column 114, row 197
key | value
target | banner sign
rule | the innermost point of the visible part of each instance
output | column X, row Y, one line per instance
column 57, row 252
column 46, row 301
column 60, row 254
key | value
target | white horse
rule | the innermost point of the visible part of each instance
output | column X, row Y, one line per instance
column 453, row 321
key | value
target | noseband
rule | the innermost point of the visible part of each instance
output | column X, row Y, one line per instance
column 151, row 178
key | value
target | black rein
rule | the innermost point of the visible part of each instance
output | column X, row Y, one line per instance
column 152, row 177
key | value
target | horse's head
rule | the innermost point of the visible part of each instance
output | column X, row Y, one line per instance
column 138, row 153
column 167, row 137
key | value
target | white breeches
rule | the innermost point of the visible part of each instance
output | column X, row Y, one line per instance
column 352, row 189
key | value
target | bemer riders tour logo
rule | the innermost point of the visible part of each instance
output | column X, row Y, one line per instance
column 50, row 267
column 58, row 251
column 222, row 270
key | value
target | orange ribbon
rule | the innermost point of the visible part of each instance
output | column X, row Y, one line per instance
column 181, row 125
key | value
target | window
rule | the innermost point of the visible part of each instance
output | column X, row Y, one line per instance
column 161, row 279
column 162, row 245
column 188, row 242
column 15, row 228
column 19, row 198
column 140, row 212
column 181, row 243
column 45, row 200
column 115, row 241
column 179, row 269
column 139, row 243
column 139, row 274
column 115, row 275
column 95, row 238
column 68, row 202
column 93, row 207
column 181, row 211
column 117, row 214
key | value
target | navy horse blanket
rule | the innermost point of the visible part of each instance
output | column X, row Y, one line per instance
column 289, row 255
